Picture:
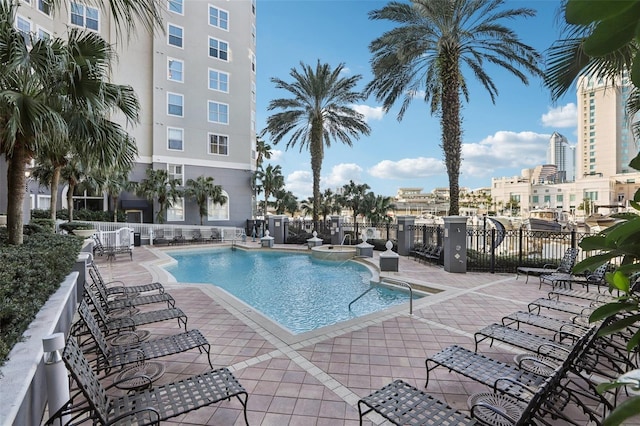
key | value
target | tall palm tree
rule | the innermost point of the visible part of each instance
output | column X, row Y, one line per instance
column 158, row 186
column 319, row 111
column 271, row 180
column 286, row 202
column 43, row 80
column 353, row 197
column 114, row 183
column 434, row 42
column 201, row 190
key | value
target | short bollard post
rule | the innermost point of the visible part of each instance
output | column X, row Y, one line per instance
column 56, row 375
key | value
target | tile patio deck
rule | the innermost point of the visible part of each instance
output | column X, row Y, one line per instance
column 316, row 378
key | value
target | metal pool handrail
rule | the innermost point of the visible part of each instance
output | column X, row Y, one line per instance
column 394, row 282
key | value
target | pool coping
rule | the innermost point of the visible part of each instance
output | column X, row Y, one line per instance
column 268, row 328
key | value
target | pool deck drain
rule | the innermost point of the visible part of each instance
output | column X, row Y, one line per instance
column 316, row 378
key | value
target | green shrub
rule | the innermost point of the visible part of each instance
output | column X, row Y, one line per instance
column 72, row 226
column 47, row 224
column 80, row 214
column 30, row 273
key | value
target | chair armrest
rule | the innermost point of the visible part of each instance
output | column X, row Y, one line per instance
column 512, row 381
column 495, row 411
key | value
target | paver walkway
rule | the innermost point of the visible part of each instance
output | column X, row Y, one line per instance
column 316, row 378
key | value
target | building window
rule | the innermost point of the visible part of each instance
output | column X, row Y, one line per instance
column 44, row 6
column 176, row 6
column 253, row 63
column 218, row 144
column 219, row 81
column 218, row 18
column 218, row 113
column 572, row 197
column 218, row 49
column 175, row 70
column 175, row 212
column 85, row 16
column 217, row 211
column 43, row 34
column 253, row 34
column 23, row 25
column 175, row 104
column 175, row 138
column 175, row 35
column 534, row 199
column 44, row 202
column 176, row 171
column 547, row 198
column 253, row 91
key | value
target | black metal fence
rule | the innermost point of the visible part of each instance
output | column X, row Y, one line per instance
column 488, row 250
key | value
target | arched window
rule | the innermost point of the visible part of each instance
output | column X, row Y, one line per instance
column 216, row 211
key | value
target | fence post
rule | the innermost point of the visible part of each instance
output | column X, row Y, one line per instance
column 493, row 250
column 520, row 246
column 573, row 238
column 387, row 226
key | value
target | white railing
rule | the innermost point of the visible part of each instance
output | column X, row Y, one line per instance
column 169, row 231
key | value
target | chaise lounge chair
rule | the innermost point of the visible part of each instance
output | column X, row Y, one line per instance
column 128, row 301
column 596, row 278
column 121, row 289
column 565, row 265
column 109, row 357
column 118, row 324
column 145, row 407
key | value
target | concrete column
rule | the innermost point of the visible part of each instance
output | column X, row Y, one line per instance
column 278, row 225
column 80, row 266
column 455, row 244
column 405, row 234
column 337, row 234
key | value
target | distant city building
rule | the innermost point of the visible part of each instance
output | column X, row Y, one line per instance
column 561, row 155
column 605, row 140
column 196, row 82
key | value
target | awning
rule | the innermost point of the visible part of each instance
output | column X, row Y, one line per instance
column 134, row 204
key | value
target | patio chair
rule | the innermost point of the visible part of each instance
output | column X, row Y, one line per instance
column 565, row 265
column 178, row 238
column 556, row 325
column 525, row 340
column 144, row 407
column 109, row 356
column 215, row 235
column 595, row 278
column 432, row 255
column 560, row 306
column 116, row 325
column 132, row 300
column 121, row 289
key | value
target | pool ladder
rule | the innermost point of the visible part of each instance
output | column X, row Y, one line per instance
column 394, row 282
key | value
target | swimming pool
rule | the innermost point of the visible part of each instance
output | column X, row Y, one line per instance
column 293, row 289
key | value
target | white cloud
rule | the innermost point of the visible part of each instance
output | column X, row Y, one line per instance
column 276, row 155
column 341, row 174
column 562, row 116
column 502, row 150
column 345, row 70
column 300, row 183
column 370, row 113
column 408, row 168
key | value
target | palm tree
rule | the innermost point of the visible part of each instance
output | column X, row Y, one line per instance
column 158, row 186
column 319, row 111
column 263, row 151
column 426, row 54
column 375, row 207
column 53, row 91
column 353, row 198
column 286, row 202
column 114, row 183
column 271, row 180
column 201, row 190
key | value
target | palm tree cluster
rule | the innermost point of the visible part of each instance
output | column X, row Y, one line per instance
column 55, row 104
column 166, row 191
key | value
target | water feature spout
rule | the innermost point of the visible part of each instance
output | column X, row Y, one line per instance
column 345, row 237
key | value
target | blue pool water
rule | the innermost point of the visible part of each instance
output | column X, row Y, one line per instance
column 297, row 291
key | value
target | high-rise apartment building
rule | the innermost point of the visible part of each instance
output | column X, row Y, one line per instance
column 605, row 140
column 196, row 83
column 561, row 155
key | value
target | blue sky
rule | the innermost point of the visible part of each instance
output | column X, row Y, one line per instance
column 498, row 140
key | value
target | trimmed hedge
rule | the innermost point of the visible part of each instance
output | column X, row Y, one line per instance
column 29, row 275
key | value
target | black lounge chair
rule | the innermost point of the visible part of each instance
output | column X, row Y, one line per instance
column 567, row 262
column 560, row 306
column 109, row 357
column 596, row 278
column 121, row 288
column 144, row 407
column 132, row 300
column 118, row 324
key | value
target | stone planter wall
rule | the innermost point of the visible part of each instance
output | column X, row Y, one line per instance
column 22, row 379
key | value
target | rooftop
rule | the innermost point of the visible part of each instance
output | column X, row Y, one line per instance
column 317, row 377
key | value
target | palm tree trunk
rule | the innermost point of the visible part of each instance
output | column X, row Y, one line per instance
column 115, row 208
column 72, row 188
column 16, row 190
column 55, row 181
column 317, row 154
column 451, row 128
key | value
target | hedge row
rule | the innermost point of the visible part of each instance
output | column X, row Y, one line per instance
column 80, row 214
column 30, row 273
